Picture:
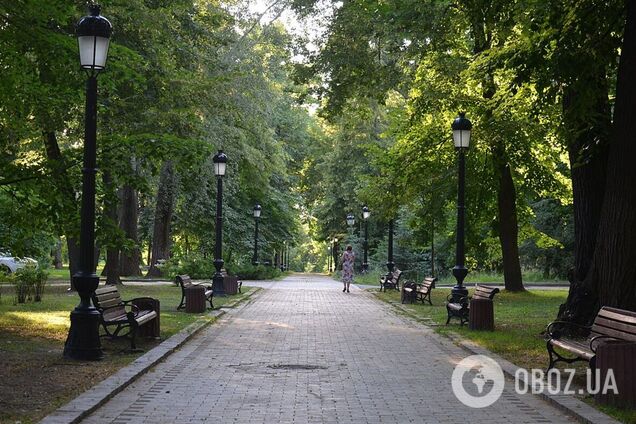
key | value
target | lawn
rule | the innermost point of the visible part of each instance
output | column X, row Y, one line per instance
column 530, row 277
column 520, row 319
column 36, row 379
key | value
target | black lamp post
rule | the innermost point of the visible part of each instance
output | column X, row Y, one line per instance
column 335, row 254
column 390, row 265
column 257, row 215
column 330, row 248
column 93, row 35
column 365, row 215
column 220, row 166
column 461, row 137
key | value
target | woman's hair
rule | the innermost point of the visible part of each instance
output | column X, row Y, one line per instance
column 349, row 248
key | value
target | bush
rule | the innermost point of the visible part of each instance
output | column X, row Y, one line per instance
column 29, row 283
column 251, row 272
column 196, row 266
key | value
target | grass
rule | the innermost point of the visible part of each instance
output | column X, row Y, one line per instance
column 373, row 277
column 36, row 379
column 520, row 319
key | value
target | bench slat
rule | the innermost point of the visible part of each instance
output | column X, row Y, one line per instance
column 617, row 315
column 578, row 348
column 601, row 325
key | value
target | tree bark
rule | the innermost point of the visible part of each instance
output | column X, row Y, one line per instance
column 111, row 268
column 57, row 255
column 61, row 183
column 130, row 260
column 507, row 223
column 163, row 215
column 508, row 229
column 588, row 156
column 613, row 266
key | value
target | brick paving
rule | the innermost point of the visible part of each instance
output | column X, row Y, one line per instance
column 304, row 352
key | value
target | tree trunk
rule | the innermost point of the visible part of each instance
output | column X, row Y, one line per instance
column 613, row 266
column 163, row 215
column 57, row 255
column 68, row 205
column 506, row 196
column 508, row 229
column 130, row 260
column 588, row 155
column 111, row 268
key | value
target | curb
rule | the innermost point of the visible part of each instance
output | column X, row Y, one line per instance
column 579, row 410
column 87, row 402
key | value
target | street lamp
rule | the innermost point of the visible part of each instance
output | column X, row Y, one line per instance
column 351, row 220
column 220, row 166
column 330, row 249
column 335, row 254
column 93, row 36
column 257, row 215
column 461, row 137
column 365, row 215
column 390, row 265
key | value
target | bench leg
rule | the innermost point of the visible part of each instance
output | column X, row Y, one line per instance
column 182, row 303
column 556, row 357
column 449, row 315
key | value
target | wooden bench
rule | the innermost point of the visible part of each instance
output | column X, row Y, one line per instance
column 184, row 281
column 412, row 291
column 391, row 280
column 459, row 308
column 122, row 318
column 610, row 325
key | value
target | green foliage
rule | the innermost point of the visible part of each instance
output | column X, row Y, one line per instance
column 29, row 283
column 194, row 265
column 251, row 272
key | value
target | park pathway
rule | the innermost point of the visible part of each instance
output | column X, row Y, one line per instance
column 302, row 351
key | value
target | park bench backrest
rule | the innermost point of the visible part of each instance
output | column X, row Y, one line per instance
column 429, row 282
column 109, row 299
column 184, row 281
column 614, row 322
column 485, row 292
column 396, row 275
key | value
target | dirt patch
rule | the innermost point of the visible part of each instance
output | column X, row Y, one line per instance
column 35, row 379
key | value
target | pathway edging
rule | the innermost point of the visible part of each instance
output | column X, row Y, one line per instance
column 87, row 402
column 577, row 408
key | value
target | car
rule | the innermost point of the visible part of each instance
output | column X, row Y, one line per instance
column 10, row 264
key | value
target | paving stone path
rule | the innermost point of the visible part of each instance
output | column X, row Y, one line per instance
column 302, row 351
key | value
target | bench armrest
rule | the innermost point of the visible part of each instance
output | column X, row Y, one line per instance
column 133, row 308
column 600, row 339
column 464, row 300
column 555, row 333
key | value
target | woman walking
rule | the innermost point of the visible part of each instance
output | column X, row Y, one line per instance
column 348, row 259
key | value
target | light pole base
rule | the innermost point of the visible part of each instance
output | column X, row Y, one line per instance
column 365, row 268
column 459, row 291
column 83, row 341
column 217, row 285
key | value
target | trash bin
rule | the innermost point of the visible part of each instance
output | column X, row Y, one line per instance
column 481, row 315
column 619, row 357
column 230, row 284
column 195, row 299
column 151, row 328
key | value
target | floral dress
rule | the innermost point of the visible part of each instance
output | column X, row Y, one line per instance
column 347, row 266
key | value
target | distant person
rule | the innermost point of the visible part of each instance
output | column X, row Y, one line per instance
column 348, row 259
